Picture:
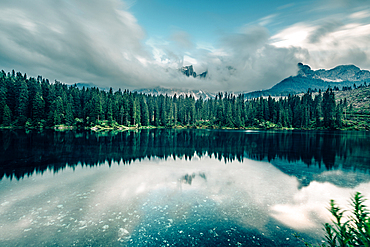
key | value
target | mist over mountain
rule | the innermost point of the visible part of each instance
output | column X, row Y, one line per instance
column 189, row 71
column 306, row 78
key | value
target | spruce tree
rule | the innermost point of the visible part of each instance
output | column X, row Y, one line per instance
column 328, row 108
column 2, row 99
column 110, row 110
column 57, row 119
column 144, row 112
column 69, row 114
column 38, row 108
column 22, row 103
column 136, row 112
column 7, row 116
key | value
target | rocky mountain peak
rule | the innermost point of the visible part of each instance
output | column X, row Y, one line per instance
column 339, row 73
column 306, row 78
column 304, row 70
column 189, row 71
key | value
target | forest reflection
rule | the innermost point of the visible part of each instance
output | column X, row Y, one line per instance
column 22, row 154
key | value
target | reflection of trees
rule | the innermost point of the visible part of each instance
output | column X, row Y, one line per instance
column 21, row 154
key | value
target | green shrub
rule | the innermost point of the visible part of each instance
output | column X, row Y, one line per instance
column 355, row 231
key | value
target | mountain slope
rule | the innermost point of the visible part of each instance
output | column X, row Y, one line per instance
column 306, row 78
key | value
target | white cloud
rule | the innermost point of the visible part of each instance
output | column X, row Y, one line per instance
column 267, row 19
column 360, row 14
column 189, row 60
column 295, row 35
column 328, row 43
column 72, row 41
column 102, row 43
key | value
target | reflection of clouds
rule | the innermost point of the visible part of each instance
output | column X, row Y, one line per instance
column 10, row 198
column 36, row 202
column 308, row 209
column 120, row 198
column 243, row 191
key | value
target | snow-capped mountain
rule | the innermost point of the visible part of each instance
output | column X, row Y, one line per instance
column 172, row 91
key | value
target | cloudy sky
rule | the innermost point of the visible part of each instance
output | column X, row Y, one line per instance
column 132, row 44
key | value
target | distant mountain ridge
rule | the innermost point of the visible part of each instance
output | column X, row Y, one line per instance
column 306, row 78
column 172, row 91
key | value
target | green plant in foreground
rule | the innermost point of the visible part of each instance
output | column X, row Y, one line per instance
column 355, row 231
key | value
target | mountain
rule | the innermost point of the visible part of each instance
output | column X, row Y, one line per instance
column 306, row 78
column 171, row 92
column 189, row 71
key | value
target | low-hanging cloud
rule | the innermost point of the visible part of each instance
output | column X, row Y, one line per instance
column 248, row 62
column 101, row 42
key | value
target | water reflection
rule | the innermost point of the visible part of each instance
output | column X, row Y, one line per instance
column 159, row 202
column 183, row 187
column 22, row 154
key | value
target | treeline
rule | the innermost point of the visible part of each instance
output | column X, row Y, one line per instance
column 35, row 102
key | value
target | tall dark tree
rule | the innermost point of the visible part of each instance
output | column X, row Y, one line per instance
column 38, row 107
column 3, row 94
column 7, row 116
column 328, row 108
column 22, row 103
column 69, row 118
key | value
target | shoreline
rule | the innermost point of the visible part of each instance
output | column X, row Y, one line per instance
column 122, row 128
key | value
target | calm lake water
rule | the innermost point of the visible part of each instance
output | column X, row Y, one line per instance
column 175, row 187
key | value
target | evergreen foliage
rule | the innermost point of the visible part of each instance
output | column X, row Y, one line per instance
column 350, row 232
column 41, row 103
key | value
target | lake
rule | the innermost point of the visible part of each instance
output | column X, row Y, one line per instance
column 175, row 187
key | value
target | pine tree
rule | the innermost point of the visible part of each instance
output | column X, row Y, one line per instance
column 136, row 112
column 328, row 108
column 7, row 116
column 192, row 111
column 228, row 120
column 69, row 114
column 144, row 112
column 22, row 103
column 46, row 94
column 121, row 114
column 57, row 119
column 38, row 107
column 3, row 94
column 156, row 113
column 175, row 114
column 94, row 108
column 162, row 110
column 339, row 116
column 318, row 109
column 110, row 111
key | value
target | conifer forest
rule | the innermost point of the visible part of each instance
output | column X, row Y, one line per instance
column 35, row 102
